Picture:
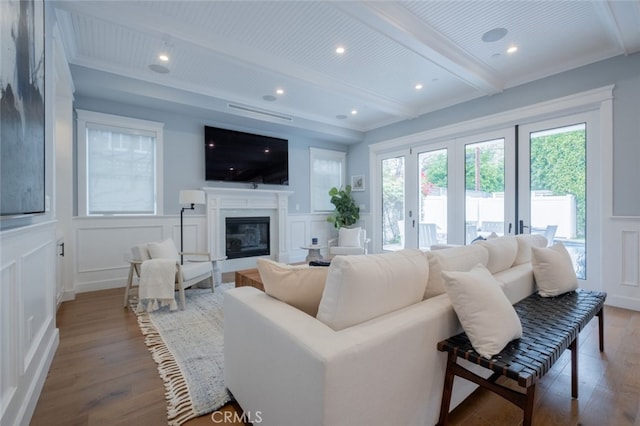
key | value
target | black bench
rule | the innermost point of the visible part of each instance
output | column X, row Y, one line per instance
column 549, row 326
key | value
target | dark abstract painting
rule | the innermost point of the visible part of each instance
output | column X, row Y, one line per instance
column 22, row 125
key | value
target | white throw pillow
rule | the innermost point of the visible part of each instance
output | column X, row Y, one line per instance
column 525, row 242
column 349, row 237
column 163, row 250
column 486, row 315
column 300, row 286
column 363, row 287
column 553, row 270
column 502, row 252
column 460, row 258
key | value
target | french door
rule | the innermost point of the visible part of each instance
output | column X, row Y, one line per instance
column 558, row 187
column 536, row 177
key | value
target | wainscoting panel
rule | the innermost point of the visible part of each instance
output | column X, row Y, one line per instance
column 28, row 334
column 103, row 245
column 9, row 333
column 621, row 262
column 37, row 291
column 298, row 231
column 631, row 255
column 107, row 244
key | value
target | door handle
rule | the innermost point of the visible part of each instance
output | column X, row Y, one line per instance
column 522, row 226
column 510, row 226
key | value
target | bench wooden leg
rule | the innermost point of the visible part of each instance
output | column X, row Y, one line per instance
column 600, row 316
column 528, row 407
column 447, row 389
column 574, row 367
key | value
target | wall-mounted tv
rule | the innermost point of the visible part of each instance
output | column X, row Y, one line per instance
column 234, row 156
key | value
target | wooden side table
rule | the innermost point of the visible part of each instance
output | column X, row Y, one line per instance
column 249, row 277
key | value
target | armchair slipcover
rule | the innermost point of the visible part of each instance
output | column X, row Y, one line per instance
column 350, row 241
column 190, row 273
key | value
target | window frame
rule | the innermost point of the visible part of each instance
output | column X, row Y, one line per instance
column 325, row 154
column 91, row 119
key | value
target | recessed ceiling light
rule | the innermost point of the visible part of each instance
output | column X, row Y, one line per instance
column 354, row 111
column 418, row 86
column 163, row 57
column 267, row 150
column 512, row 49
column 494, row 35
column 340, row 50
column 211, row 145
column 280, row 91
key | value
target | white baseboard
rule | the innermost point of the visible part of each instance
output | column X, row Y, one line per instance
column 99, row 285
column 623, row 302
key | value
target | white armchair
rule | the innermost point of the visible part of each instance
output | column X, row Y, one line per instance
column 350, row 241
column 191, row 272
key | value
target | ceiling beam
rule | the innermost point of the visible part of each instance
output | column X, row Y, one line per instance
column 397, row 23
column 622, row 21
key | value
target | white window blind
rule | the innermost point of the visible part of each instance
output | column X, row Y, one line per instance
column 327, row 170
column 121, row 165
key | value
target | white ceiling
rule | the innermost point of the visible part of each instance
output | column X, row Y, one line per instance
column 235, row 52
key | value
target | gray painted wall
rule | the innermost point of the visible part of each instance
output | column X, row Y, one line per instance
column 623, row 71
column 184, row 152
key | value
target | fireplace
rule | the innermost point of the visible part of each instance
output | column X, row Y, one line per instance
column 247, row 236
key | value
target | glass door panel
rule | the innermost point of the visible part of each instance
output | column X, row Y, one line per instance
column 432, row 196
column 557, row 189
column 393, row 203
column 484, row 189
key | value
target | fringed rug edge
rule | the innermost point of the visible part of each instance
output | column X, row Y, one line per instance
column 179, row 403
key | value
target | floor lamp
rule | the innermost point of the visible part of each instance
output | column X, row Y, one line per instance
column 190, row 197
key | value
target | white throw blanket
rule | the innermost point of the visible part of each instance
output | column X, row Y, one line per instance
column 157, row 285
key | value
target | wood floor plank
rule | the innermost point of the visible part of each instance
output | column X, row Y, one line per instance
column 103, row 374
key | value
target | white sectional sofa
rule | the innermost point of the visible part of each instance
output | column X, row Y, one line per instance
column 291, row 368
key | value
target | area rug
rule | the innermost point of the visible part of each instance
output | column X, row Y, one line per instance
column 188, row 348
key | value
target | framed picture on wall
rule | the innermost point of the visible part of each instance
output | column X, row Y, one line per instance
column 357, row 183
column 22, row 116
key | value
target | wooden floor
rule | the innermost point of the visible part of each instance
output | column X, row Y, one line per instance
column 102, row 374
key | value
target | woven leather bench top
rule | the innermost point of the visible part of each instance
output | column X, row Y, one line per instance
column 549, row 325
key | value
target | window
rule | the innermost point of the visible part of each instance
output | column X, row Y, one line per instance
column 119, row 165
column 327, row 169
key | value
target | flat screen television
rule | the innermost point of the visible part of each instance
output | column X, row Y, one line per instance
column 234, row 156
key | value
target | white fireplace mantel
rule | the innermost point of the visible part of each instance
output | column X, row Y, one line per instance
column 221, row 199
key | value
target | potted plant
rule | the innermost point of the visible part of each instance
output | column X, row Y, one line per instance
column 346, row 212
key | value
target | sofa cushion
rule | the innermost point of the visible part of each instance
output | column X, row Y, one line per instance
column 502, row 252
column 553, row 270
column 163, row 250
column 461, row 258
column 485, row 313
column 363, row 287
column 525, row 242
column 516, row 282
column 349, row 237
column 191, row 270
column 300, row 286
